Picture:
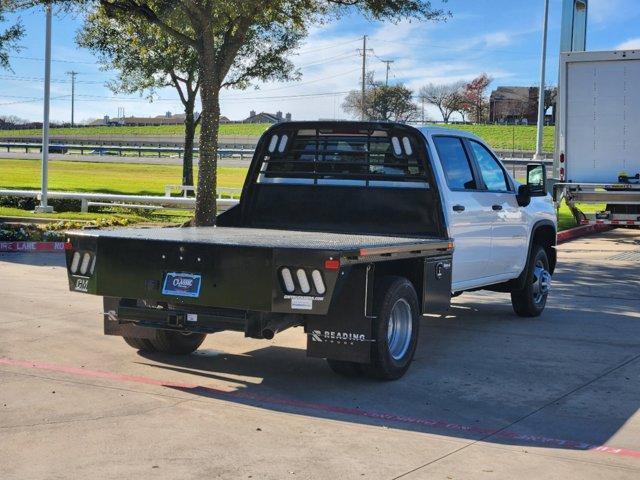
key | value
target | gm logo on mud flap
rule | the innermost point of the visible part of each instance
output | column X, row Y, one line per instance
column 82, row 285
column 337, row 337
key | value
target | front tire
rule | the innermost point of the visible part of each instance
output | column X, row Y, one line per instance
column 395, row 328
column 531, row 300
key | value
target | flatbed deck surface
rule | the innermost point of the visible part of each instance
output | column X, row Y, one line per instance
column 266, row 238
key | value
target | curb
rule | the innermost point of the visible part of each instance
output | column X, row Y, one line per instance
column 577, row 232
column 31, row 247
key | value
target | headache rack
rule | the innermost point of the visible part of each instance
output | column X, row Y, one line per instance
column 356, row 156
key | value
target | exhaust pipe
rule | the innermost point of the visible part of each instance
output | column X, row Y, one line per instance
column 279, row 324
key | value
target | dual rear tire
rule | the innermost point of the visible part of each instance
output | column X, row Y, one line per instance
column 395, row 332
column 167, row 341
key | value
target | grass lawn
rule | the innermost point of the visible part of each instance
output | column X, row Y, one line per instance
column 164, row 215
column 105, row 177
column 134, row 179
column 230, row 129
column 509, row 137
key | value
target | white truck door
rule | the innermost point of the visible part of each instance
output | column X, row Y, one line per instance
column 509, row 223
column 469, row 219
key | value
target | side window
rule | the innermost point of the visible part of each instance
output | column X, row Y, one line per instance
column 455, row 163
column 492, row 174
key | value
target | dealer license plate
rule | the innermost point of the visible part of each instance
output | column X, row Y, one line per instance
column 182, row 284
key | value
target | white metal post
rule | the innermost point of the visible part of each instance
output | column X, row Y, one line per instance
column 43, row 207
column 541, row 91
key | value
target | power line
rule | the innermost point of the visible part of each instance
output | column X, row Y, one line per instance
column 57, row 60
column 327, row 47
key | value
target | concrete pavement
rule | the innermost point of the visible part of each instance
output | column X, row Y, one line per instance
column 489, row 396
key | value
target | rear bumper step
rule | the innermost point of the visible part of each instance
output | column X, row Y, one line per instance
column 181, row 320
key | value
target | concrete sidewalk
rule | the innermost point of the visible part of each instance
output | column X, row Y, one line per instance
column 489, row 396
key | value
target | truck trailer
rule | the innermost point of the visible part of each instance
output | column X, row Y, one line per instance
column 597, row 156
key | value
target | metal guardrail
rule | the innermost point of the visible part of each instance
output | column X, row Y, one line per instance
column 127, row 201
column 242, row 153
column 106, row 150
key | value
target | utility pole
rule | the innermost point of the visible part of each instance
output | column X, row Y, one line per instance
column 43, row 207
column 73, row 92
column 541, row 90
column 364, row 74
column 388, row 62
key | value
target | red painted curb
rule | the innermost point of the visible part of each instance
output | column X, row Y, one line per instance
column 577, row 232
column 44, row 247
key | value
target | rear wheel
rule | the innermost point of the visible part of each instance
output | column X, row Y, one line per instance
column 395, row 328
column 142, row 344
column 177, row 343
column 531, row 300
column 346, row 369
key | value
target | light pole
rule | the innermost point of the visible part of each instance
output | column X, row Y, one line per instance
column 43, row 207
column 541, row 90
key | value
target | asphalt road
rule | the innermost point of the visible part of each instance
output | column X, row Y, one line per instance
column 489, row 396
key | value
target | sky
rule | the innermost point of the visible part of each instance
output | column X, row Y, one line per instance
column 499, row 37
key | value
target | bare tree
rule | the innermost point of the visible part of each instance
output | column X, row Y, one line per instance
column 445, row 97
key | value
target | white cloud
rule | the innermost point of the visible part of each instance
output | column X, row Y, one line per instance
column 631, row 44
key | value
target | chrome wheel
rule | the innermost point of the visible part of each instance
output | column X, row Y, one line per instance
column 399, row 329
column 541, row 282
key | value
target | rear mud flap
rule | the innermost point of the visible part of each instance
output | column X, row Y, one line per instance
column 345, row 333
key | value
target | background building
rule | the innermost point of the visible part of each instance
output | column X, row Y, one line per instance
column 519, row 105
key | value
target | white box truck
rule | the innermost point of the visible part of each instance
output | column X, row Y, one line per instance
column 597, row 157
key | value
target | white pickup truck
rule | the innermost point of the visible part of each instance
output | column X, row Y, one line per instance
column 351, row 230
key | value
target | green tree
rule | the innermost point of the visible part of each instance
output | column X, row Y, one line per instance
column 9, row 35
column 382, row 102
column 237, row 41
column 146, row 59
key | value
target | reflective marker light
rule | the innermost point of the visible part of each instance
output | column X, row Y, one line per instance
column 288, row 280
column 317, row 282
column 303, row 281
column 75, row 261
column 86, row 258
column 332, row 264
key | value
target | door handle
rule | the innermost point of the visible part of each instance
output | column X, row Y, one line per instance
column 458, row 208
column 496, row 208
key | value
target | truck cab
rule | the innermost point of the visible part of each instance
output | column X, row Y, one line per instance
column 493, row 227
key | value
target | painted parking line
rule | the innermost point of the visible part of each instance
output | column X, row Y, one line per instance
column 216, row 392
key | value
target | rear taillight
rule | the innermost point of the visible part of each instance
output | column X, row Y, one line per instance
column 297, row 279
column 287, row 279
column 75, row 262
column 303, row 281
column 82, row 263
column 318, row 283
